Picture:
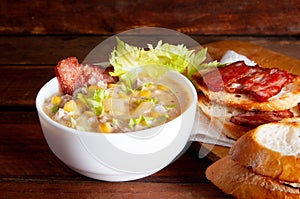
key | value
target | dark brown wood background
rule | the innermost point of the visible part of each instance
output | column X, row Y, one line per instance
column 197, row 17
column 42, row 32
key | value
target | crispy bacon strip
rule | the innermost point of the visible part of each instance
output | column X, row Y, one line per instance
column 72, row 75
column 264, row 83
column 260, row 83
column 256, row 118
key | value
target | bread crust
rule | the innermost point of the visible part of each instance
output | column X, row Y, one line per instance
column 288, row 98
column 250, row 152
column 242, row 182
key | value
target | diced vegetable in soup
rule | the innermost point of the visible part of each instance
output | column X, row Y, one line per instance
column 118, row 107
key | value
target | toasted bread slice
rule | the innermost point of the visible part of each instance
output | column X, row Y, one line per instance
column 242, row 182
column 271, row 149
column 286, row 99
column 220, row 115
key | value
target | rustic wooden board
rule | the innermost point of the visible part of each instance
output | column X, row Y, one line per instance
column 260, row 55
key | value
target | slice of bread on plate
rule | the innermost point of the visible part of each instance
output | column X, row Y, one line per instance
column 263, row 163
column 241, row 182
column 220, row 115
column 271, row 149
column 238, row 97
column 288, row 97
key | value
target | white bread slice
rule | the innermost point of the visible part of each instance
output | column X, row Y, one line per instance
column 243, row 183
column 220, row 115
column 271, row 149
column 286, row 99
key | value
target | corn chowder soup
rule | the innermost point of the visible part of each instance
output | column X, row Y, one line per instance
column 119, row 107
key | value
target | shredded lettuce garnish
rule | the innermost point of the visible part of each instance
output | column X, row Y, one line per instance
column 128, row 79
column 139, row 120
column 94, row 101
column 55, row 108
column 156, row 61
column 170, row 106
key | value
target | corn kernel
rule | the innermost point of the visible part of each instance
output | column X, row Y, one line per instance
column 155, row 114
column 105, row 127
column 145, row 93
column 93, row 87
column 69, row 106
column 162, row 87
column 112, row 85
column 122, row 95
column 55, row 100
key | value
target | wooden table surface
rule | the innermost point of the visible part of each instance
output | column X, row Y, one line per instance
column 35, row 35
column 28, row 169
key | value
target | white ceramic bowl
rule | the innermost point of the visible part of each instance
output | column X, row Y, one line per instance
column 119, row 156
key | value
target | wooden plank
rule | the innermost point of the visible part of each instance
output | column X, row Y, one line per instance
column 20, row 85
column 47, row 50
column 44, row 50
column 110, row 17
column 97, row 189
column 260, row 55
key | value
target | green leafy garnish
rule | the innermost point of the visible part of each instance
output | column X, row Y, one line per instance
column 128, row 79
column 155, row 61
column 55, row 109
column 94, row 101
column 170, row 106
column 139, row 120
